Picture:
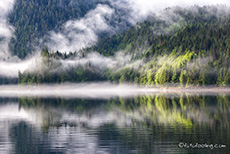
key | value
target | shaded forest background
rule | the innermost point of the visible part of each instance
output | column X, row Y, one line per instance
column 192, row 50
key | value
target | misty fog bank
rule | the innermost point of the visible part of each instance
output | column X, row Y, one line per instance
column 103, row 90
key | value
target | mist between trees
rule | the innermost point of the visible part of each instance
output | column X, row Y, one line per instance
column 181, row 46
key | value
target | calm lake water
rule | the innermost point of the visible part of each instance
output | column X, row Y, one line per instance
column 155, row 124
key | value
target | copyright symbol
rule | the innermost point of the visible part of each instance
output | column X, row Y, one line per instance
column 181, row 145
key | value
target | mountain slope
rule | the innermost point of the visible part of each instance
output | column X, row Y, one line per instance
column 184, row 29
column 32, row 19
column 192, row 50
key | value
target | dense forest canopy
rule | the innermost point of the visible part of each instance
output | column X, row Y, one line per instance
column 182, row 46
column 32, row 19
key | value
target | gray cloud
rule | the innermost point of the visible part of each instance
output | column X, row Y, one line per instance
column 6, row 30
column 78, row 34
column 11, row 68
column 144, row 7
column 99, row 62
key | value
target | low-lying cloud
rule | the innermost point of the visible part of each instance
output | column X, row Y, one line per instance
column 99, row 62
column 85, row 32
column 79, row 34
column 6, row 30
column 144, row 7
column 11, row 69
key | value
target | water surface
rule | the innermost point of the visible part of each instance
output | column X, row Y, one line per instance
column 153, row 123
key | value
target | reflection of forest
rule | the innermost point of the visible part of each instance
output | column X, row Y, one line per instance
column 171, row 111
column 145, row 121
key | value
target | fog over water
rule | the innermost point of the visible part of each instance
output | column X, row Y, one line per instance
column 102, row 90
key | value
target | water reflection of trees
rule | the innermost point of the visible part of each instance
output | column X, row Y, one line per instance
column 171, row 111
column 191, row 119
column 184, row 110
column 144, row 119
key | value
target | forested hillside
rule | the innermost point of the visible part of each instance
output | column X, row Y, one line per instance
column 192, row 31
column 198, row 54
column 181, row 46
column 32, row 19
column 193, row 50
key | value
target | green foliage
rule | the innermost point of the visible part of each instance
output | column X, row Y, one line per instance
column 183, row 77
column 193, row 51
column 135, row 40
column 53, row 71
column 32, row 20
column 162, row 75
column 45, row 52
column 124, row 75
